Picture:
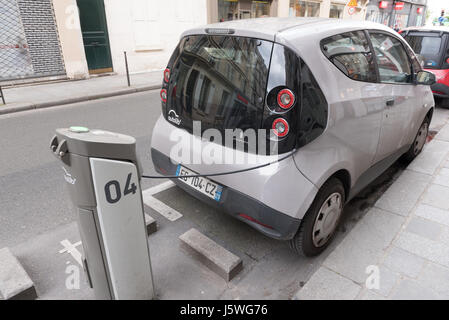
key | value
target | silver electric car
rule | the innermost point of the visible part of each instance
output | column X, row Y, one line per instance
column 342, row 101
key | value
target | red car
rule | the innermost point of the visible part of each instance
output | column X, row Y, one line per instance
column 431, row 44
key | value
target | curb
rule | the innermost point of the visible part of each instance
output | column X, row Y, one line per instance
column 42, row 105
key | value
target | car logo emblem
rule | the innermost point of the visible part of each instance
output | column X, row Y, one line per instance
column 173, row 117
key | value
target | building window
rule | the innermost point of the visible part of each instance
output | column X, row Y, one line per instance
column 243, row 9
column 260, row 9
column 337, row 11
column 300, row 8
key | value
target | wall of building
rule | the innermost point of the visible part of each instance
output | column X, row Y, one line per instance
column 149, row 30
column 68, row 22
column 29, row 42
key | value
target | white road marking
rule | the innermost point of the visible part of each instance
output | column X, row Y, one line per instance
column 159, row 188
column 72, row 250
column 163, row 209
column 168, row 212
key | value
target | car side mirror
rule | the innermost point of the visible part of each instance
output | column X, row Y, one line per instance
column 426, row 78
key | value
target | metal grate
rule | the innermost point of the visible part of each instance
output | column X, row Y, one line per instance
column 15, row 58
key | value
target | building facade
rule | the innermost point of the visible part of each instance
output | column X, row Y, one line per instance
column 29, row 40
column 397, row 14
column 78, row 38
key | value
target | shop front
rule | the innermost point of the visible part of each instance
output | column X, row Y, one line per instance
column 242, row 9
column 397, row 14
column 304, row 8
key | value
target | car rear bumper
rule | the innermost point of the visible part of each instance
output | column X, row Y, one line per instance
column 265, row 219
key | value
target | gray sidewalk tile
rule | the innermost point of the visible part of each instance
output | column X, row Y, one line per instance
column 437, row 196
column 370, row 295
column 432, row 213
column 387, row 280
column 436, row 277
column 443, row 134
column 413, row 290
column 401, row 197
column 364, row 245
column 430, row 159
column 428, row 249
column 442, row 178
column 328, row 285
column 425, row 228
column 404, row 262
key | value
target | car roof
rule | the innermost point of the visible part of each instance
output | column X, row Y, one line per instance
column 428, row 29
column 270, row 28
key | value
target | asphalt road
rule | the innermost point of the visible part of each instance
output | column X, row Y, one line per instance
column 32, row 196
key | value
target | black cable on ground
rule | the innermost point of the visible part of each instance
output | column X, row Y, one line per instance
column 223, row 173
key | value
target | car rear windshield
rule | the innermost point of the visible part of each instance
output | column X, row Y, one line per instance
column 429, row 47
column 220, row 81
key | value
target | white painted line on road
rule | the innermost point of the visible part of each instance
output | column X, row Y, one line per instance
column 168, row 212
column 72, row 250
column 163, row 209
column 159, row 188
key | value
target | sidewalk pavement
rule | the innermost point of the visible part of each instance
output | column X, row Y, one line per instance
column 36, row 96
column 400, row 248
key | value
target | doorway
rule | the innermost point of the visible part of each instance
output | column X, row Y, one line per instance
column 95, row 36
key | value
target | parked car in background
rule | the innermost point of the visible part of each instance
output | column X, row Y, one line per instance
column 344, row 100
column 431, row 44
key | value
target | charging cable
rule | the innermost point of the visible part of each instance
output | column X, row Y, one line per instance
column 223, row 173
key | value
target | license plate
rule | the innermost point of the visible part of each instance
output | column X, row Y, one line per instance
column 203, row 185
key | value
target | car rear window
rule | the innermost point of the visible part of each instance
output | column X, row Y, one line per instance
column 429, row 47
column 220, row 81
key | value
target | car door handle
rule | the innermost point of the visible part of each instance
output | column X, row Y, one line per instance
column 390, row 103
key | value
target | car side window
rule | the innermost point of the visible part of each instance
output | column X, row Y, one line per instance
column 392, row 59
column 350, row 52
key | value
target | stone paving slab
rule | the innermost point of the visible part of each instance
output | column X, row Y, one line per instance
column 437, row 196
column 404, row 262
column 402, row 196
column 431, row 157
column 364, row 245
column 328, row 285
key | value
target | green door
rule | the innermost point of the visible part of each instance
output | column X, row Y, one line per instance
column 95, row 35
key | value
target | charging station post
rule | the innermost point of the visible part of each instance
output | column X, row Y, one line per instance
column 103, row 177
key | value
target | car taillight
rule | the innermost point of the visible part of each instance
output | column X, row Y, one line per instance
column 447, row 60
column 167, row 75
column 280, row 127
column 286, row 99
column 164, row 95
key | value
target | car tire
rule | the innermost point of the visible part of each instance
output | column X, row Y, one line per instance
column 418, row 142
column 305, row 242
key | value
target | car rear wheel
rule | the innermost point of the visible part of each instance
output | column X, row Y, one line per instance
column 419, row 142
column 321, row 220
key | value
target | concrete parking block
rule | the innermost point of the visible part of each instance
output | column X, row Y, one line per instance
column 437, row 196
column 402, row 196
column 413, row 290
column 328, row 285
column 431, row 250
column 14, row 281
column 425, row 228
column 404, row 262
column 215, row 257
column 364, row 245
column 430, row 159
column 432, row 213
column 150, row 223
